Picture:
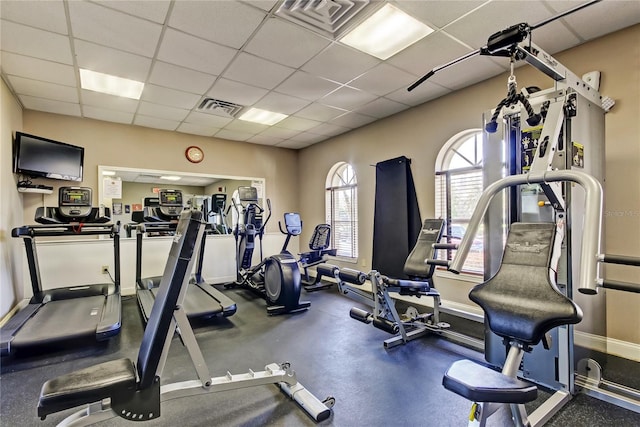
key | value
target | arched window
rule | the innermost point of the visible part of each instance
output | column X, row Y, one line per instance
column 341, row 207
column 458, row 188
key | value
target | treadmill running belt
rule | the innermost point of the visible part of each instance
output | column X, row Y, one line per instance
column 60, row 321
column 197, row 303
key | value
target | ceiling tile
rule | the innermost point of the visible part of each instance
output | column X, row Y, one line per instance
column 184, row 79
column 340, row 63
column 107, row 115
column 554, row 37
column 475, row 28
column 40, row 44
column 171, row 97
column 352, row 120
column 601, row 18
column 471, row 71
column 381, row 107
column 156, row 123
column 265, row 140
column 111, row 61
column 47, row 15
column 439, row 12
column 440, row 47
column 245, row 126
column 233, row 135
column 162, row 111
column 383, row 79
column 191, row 52
column 320, row 112
column 279, row 132
column 347, row 98
column 279, row 103
column 114, row 29
column 238, row 93
column 301, row 45
column 49, row 106
column 153, row 10
column 110, row 102
column 204, row 119
column 423, row 93
column 257, row 71
column 297, row 123
column 44, row 89
column 306, row 137
column 306, row 86
column 263, row 4
column 38, row 69
column 295, row 144
column 328, row 129
column 195, row 129
column 225, row 22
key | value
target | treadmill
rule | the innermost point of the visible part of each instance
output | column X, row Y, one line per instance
column 202, row 300
column 66, row 315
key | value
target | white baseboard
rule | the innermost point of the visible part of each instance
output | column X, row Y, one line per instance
column 625, row 349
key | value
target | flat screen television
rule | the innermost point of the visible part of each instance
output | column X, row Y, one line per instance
column 35, row 156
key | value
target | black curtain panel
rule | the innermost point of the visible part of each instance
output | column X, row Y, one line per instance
column 396, row 222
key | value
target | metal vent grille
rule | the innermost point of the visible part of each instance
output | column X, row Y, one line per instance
column 219, row 107
column 325, row 16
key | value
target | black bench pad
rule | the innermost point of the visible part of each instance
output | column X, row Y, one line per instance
column 481, row 384
column 87, row 385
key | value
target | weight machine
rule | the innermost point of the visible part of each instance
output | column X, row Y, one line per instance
column 538, row 144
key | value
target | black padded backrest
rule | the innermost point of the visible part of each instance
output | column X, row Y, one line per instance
column 321, row 237
column 185, row 245
column 415, row 265
column 520, row 302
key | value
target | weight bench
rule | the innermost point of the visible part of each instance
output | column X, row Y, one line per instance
column 133, row 391
column 318, row 253
column 521, row 304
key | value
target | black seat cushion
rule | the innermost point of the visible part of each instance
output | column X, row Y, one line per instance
column 521, row 302
column 481, row 384
column 415, row 266
column 87, row 385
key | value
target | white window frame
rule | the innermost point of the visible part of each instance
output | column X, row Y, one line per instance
column 342, row 180
column 460, row 161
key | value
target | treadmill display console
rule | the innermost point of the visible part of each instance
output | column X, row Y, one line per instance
column 170, row 198
column 74, row 196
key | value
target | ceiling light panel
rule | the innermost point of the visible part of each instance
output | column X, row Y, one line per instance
column 386, row 32
column 112, row 85
column 264, row 117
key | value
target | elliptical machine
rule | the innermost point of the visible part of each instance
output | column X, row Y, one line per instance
column 276, row 278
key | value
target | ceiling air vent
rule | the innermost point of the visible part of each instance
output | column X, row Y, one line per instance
column 324, row 16
column 219, row 107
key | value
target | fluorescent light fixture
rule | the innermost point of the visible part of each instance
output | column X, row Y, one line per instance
column 386, row 32
column 108, row 173
column 264, row 117
column 171, row 178
column 112, row 85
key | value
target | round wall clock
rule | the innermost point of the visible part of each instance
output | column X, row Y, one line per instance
column 194, row 154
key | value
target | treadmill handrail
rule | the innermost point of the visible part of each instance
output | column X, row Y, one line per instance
column 66, row 230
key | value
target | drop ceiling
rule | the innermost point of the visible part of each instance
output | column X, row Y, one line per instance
column 247, row 53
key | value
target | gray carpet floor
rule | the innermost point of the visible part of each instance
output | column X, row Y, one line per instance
column 332, row 355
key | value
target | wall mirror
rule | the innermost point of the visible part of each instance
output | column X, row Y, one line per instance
column 124, row 191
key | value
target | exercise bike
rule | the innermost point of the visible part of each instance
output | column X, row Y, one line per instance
column 276, row 278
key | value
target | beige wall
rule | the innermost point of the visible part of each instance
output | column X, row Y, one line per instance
column 420, row 132
column 10, row 205
column 137, row 147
